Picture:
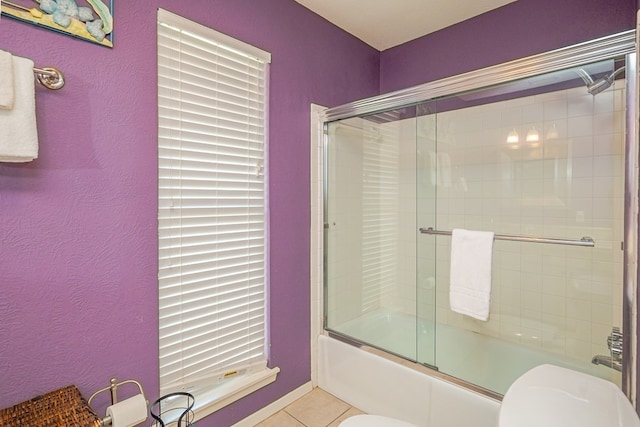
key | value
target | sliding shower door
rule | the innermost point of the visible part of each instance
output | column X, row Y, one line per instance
column 536, row 158
column 371, row 265
column 540, row 158
column 429, row 167
column 542, row 161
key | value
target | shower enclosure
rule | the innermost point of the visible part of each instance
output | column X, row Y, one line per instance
column 535, row 151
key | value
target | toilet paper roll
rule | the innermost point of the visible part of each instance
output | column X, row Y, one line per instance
column 129, row 412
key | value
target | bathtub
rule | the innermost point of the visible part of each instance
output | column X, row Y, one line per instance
column 379, row 386
column 479, row 359
column 383, row 384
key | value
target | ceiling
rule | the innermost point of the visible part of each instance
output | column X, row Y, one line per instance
column 383, row 24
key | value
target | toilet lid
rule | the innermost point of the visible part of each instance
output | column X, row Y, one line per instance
column 374, row 421
column 552, row 396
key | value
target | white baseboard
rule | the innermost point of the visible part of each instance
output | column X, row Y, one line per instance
column 276, row 406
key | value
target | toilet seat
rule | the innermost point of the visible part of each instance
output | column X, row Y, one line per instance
column 374, row 421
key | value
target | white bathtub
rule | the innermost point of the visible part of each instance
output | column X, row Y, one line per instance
column 397, row 389
column 479, row 359
column 381, row 387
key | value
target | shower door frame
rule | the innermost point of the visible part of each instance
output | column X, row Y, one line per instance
column 605, row 48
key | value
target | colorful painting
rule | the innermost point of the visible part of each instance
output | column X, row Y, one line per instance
column 90, row 20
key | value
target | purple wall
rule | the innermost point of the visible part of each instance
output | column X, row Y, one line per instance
column 78, row 240
column 78, row 299
column 517, row 30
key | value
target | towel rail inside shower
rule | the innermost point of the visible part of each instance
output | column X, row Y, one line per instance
column 584, row 241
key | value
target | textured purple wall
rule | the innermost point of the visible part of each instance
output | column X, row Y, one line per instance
column 78, row 240
column 78, row 299
column 517, row 30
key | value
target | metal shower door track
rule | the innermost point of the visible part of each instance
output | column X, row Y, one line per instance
column 601, row 49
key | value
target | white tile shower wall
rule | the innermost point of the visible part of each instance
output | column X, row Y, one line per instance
column 568, row 184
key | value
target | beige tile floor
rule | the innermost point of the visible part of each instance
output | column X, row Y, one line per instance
column 315, row 409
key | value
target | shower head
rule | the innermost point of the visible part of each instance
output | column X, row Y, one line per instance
column 597, row 86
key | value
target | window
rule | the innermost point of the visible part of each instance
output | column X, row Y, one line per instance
column 211, row 212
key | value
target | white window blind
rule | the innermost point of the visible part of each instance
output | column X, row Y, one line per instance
column 211, row 205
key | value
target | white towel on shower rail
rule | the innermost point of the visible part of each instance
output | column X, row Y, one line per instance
column 18, row 130
column 6, row 81
column 470, row 276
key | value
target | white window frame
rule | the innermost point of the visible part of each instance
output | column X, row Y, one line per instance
column 213, row 390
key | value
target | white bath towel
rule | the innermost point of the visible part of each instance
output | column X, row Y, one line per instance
column 470, row 278
column 6, row 81
column 18, row 130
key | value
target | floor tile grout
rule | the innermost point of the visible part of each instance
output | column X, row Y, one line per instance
column 317, row 408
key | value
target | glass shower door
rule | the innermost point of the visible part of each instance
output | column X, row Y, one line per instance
column 538, row 158
column 370, row 238
column 432, row 174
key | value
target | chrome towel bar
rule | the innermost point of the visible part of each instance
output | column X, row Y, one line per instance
column 49, row 77
column 585, row 241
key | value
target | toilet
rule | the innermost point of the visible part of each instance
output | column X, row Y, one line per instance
column 552, row 396
column 548, row 396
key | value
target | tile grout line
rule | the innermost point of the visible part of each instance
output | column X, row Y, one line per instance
column 293, row 416
column 344, row 412
column 306, row 425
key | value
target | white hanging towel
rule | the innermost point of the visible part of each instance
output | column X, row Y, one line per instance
column 18, row 130
column 6, row 81
column 470, row 278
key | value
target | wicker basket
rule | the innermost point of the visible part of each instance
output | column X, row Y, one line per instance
column 59, row 408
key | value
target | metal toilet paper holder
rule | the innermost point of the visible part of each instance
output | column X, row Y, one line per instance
column 113, row 389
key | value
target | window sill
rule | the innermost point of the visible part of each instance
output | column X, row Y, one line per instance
column 210, row 400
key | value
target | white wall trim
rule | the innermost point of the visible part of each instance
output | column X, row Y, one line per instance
column 317, row 232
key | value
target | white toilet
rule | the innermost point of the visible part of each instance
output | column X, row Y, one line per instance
column 551, row 396
column 548, row 396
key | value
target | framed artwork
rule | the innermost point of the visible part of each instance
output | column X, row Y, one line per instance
column 90, row 20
